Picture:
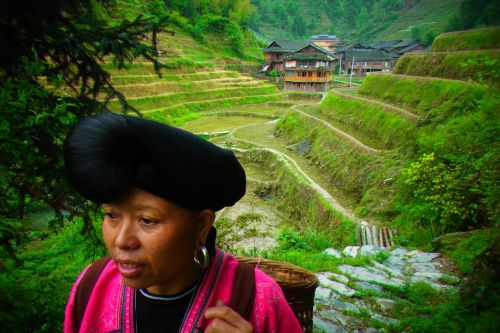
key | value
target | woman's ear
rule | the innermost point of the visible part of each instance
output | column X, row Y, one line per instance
column 206, row 219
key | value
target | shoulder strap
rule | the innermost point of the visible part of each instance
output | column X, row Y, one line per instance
column 243, row 294
column 84, row 290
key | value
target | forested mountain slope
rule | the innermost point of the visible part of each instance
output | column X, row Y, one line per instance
column 352, row 20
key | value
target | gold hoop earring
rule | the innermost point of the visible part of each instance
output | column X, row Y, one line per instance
column 203, row 253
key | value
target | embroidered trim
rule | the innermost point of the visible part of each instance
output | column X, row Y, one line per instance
column 209, row 291
column 169, row 298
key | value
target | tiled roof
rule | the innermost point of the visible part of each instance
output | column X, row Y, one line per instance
column 384, row 44
column 323, row 37
column 373, row 55
column 351, row 46
column 286, row 45
column 309, row 56
column 399, row 45
column 410, row 47
column 407, row 42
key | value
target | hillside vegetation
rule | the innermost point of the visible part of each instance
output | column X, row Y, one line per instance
column 479, row 39
column 358, row 20
column 446, row 160
column 482, row 66
column 472, row 55
column 437, row 181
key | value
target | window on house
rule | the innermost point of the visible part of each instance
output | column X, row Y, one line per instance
column 310, row 74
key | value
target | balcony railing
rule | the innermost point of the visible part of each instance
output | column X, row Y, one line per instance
column 296, row 78
column 312, row 68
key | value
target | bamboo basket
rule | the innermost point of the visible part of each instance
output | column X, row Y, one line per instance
column 297, row 284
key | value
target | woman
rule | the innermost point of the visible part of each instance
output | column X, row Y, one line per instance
column 159, row 187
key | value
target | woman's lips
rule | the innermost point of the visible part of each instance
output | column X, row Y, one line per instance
column 129, row 269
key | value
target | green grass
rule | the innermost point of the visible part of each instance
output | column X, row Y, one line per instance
column 466, row 251
column 175, row 114
column 350, row 169
column 176, row 64
column 217, row 123
column 388, row 128
column 421, row 95
column 166, row 100
column 157, row 88
column 180, row 77
column 478, row 66
column 478, row 39
column 44, row 278
column 305, row 207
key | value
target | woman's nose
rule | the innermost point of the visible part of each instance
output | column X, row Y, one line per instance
column 127, row 238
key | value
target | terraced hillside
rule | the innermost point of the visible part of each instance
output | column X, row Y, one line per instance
column 363, row 166
column 416, row 153
column 194, row 79
column 403, row 118
column 458, row 55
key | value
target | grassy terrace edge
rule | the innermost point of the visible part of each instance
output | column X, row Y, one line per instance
column 354, row 173
column 150, row 78
column 169, row 99
column 481, row 66
column 300, row 201
column 388, row 128
column 178, row 114
column 477, row 39
column 424, row 94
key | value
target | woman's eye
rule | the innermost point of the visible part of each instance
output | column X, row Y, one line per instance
column 147, row 221
column 110, row 215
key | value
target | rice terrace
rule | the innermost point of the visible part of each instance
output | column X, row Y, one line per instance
column 368, row 132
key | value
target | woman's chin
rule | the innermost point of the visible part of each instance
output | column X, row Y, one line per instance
column 134, row 283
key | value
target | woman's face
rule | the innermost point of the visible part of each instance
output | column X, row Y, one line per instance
column 151, row 241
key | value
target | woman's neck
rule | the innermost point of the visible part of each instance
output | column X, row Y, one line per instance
column 181, row 283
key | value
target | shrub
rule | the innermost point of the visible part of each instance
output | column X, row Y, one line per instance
column 479, row 66
column 478, row 39
column 422, row 95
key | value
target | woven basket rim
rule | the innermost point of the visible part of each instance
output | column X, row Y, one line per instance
column 311, row 281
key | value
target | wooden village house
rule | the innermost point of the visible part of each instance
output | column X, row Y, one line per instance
column 361, row 60
column 378, row 56
column 309, row 69
column 308, row 66
column 277, row 50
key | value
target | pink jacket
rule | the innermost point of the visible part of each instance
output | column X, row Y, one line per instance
column 110, row 305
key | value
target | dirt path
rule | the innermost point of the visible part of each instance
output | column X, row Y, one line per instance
column 358, row 144
column 324, row 193
column 406, row 114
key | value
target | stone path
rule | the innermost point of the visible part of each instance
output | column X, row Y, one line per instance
column 359, row 298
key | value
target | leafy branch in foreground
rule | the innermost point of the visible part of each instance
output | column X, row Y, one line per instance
column 50, row 78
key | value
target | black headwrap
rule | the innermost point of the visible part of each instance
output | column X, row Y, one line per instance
column 107, row 154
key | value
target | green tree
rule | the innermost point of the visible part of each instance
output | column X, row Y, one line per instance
column 51, row 76
column 298, row 26
column 475, row 14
